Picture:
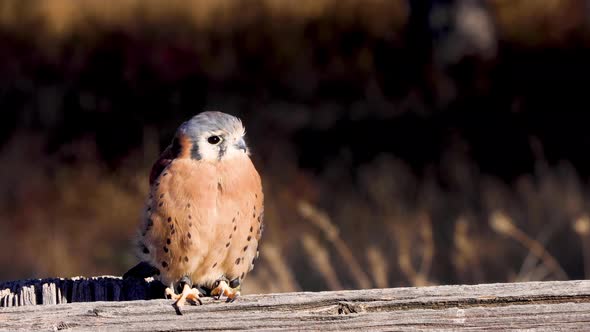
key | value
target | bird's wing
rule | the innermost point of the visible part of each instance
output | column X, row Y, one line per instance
column 179, row 218
column 165, row 159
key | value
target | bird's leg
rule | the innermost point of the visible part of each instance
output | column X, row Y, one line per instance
column 187, row 293
column 234, row 285
column 224, row 289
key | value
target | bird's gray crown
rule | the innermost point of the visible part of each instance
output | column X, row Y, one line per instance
column 211, row 122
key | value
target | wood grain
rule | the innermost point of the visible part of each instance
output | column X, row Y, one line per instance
column 560, row 305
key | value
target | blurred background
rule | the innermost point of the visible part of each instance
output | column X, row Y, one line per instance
column 400, row 142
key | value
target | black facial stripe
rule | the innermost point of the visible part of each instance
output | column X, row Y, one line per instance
column 195, row 154
column 222, row 149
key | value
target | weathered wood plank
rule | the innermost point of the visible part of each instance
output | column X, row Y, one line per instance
column 535, row 305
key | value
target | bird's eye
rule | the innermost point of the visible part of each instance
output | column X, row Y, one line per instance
column 214, row 140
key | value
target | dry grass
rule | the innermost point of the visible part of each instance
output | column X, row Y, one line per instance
column 68, row 219
column 539, row 22
column 320, row 261
column 77, row 218
column 65, row 17
column 503, row 225
column 582, row 228
column 67, row 213
column 331, row 232
column 520, row 21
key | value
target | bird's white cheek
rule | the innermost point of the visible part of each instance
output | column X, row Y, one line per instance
column 208, row 151
column 233, row 152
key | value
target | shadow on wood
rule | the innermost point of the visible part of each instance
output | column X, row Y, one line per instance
column 78, row 289
column 563, row 305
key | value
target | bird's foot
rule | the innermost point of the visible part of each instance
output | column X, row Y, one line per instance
column 169, row 293
column 188, row 294
column 223, row 289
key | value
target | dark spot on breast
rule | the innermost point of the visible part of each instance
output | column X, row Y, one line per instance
column 169, row 219
column 245, row 248
column 256, row 195
column 161, row 195
column 254, row 214
column 188, row 205
column 190, row 217
column 235, row 227
column 251, row 229
column 173, row 231
column 234, row 219
column 165, row 249
column 242, row 276
column 237, row 261
column 161, row 203
column 230, row 236
column 149, row 208
column 249, row 238
column 219, row 187
column 189, row 235
column 168, row 240
column 185, row 258
column 164, row 264
column 150, row 222
column 171, row 226
column 227, row 245
column 165, row 173
column 214, row 265
column 145, row 250
column 190, row 224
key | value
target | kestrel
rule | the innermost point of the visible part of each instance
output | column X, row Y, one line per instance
column 203, row 217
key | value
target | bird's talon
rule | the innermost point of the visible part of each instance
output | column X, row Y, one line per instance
column 195, row 301
column 224, row 289
column 170, row 294
column 188, row 293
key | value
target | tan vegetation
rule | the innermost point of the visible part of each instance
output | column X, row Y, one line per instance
column 68, row 212
column 64, row 220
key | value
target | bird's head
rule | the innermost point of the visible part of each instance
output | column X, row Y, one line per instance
column 211, row 136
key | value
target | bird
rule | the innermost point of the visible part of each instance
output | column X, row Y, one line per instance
column 203, row 218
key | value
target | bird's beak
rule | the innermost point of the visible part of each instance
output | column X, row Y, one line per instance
column 241, row 145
